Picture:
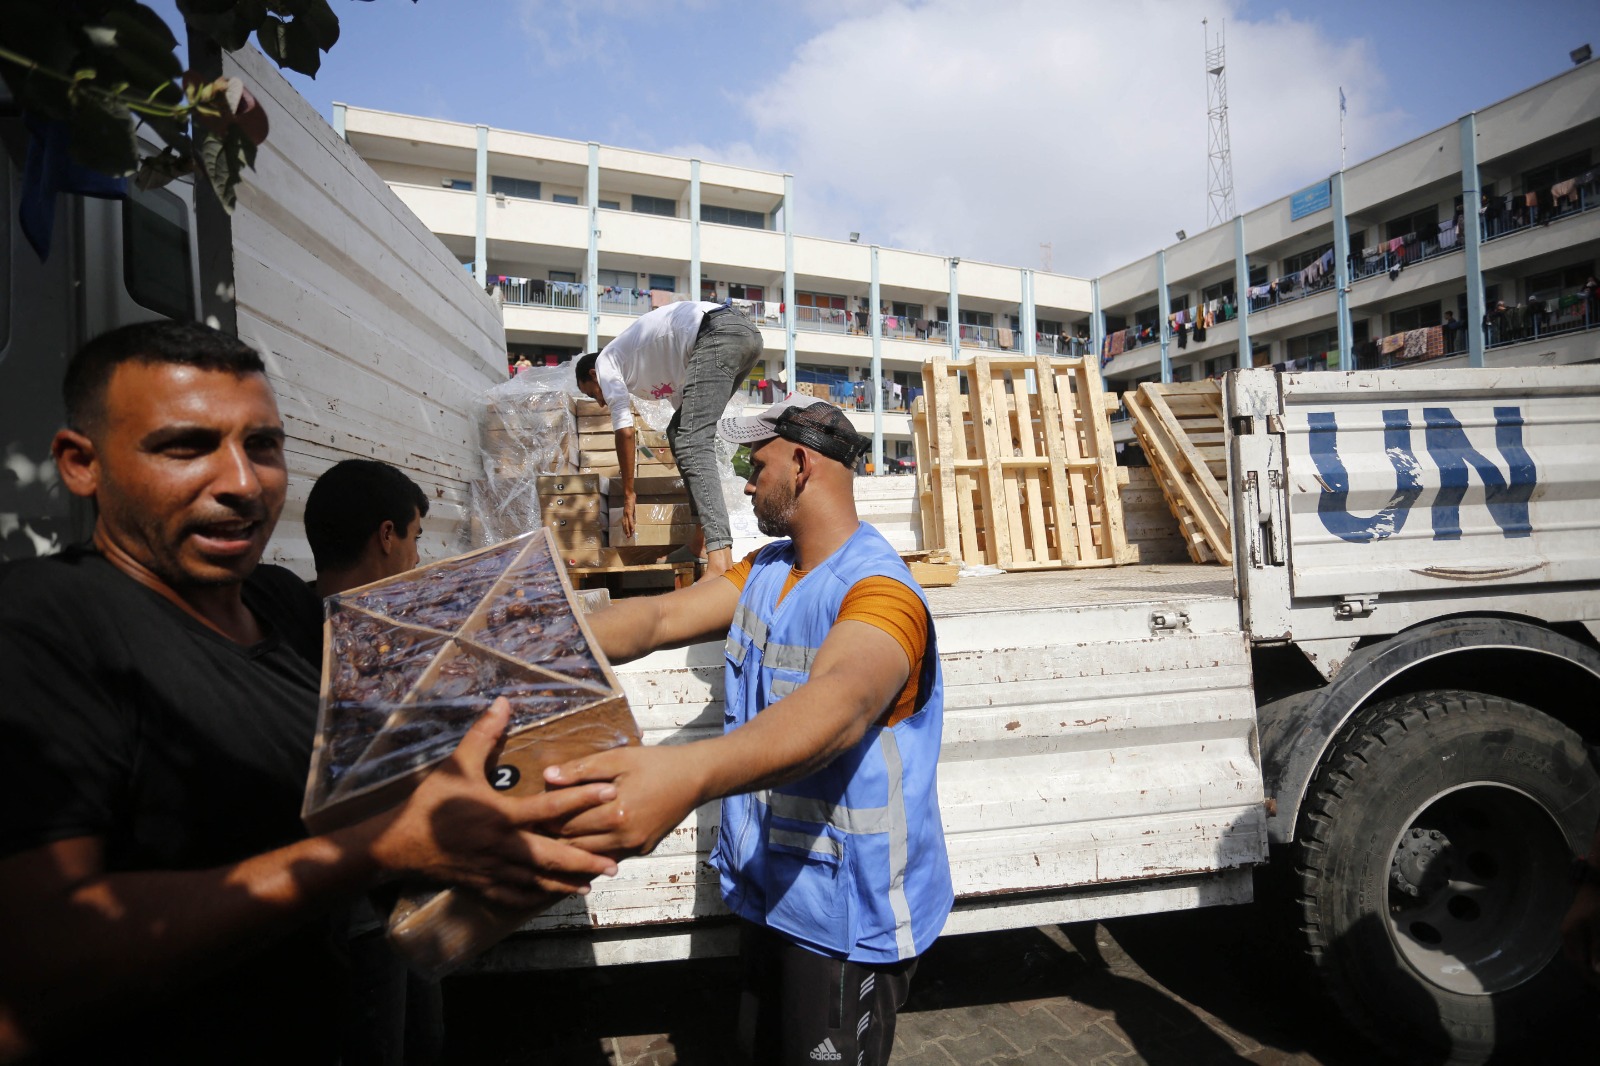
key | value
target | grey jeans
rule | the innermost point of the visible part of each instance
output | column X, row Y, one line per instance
column 724, row 353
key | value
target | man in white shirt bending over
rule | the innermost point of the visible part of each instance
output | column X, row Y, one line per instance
column 695, row 356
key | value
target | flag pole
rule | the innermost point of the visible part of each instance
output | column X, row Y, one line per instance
column 1341, row 128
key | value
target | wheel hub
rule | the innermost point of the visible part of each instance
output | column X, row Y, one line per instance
column 1423, row 863
column 1472, row 882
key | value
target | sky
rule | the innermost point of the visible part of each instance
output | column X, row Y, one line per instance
column 986, row 129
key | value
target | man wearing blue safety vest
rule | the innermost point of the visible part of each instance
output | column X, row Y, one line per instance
column 830, row 847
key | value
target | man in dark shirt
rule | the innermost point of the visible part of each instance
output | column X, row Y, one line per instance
column 363, row 521
column 161, row 900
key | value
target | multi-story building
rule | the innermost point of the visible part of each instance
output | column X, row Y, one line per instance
column 577, row 239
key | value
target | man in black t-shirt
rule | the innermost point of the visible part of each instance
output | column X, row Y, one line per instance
column 161, row 900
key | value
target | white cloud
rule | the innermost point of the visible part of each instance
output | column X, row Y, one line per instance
column 982, row 128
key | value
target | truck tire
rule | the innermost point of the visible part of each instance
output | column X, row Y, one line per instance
column 1431, row 868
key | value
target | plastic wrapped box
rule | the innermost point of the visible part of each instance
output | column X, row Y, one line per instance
column 410, row 662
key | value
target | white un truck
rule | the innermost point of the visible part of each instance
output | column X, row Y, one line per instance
column 1385, row 700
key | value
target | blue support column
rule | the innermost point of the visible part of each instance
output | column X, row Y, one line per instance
column 876, row 320
column 694, row 229
column 1341, row 273
column 480, row 183
column 954, row 310
column 591, row 266
column 338, row 121
column 1241, row 292
column 1030, row 317
column 1164, row 310
column 788, row 281
column 1097, row 321
column 1472, row 239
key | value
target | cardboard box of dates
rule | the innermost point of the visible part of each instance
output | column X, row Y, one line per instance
column 410, row 662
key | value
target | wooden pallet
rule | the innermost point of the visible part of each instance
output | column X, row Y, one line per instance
column 1019, row 470
column 1182, row 430
column 678, row 575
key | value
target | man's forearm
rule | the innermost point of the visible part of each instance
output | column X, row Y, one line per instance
column 126, row 937
column 625, row 457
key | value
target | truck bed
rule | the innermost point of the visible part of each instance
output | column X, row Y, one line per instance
column 1099, row 759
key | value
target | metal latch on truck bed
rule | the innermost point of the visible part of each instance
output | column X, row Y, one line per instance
column 1356, row 606
column 1169, row 620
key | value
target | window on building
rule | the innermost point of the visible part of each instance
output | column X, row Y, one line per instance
column 905, row 310
column 664, row 282
column 609, row 205
column 521, row 188
column 1116, row 323
column 1562, row 169
column 732, row 216
column 1418, row 317
column 819, row 299
column 616, row 279
column 156, row 268
column 1258, row 276
column 1183, row 373
column 976, row 318
column 459, row 184
column 1221, row 364
column 745, row 292
column 1146, row 316
column 1424, row 222
column 1553, row 283
column 1313, row 348
column 654, row 205
column 1295, row 263
column 1048, row 327
column 1222, row 290
column 1179, row 303
column 1261, row 355
column 564, row 198
column 563, row 275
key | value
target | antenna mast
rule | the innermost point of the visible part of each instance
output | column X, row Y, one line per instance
column 1220, row 153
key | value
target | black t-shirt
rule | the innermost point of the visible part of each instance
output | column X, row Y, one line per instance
column 126, row 719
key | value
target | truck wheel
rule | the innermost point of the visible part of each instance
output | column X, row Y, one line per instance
column 1432, row 862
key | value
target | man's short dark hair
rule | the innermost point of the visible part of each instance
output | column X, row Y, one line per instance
column 584, row 365
column 348, row 504
column 161, row 341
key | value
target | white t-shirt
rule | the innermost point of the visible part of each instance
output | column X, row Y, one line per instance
column 650, row 358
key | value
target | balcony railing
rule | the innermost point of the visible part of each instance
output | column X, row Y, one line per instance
column 1290, row 287
column 533, row 292
column 822, row 319
column 1392, row 256
column 1528, row 322
column 1507, row 214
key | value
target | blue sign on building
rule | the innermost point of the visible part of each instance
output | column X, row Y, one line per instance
column 1309, row 200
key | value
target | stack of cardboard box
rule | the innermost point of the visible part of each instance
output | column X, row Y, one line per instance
column 661, row 510
column 574, row 507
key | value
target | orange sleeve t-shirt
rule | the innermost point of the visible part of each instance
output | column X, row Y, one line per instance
column 883, row 603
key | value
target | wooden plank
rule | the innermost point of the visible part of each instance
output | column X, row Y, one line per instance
column 946, row 431
column 999, row 498
column 1182, row 473
column 1067, row 533
column 928, row 486
column 1032, row 483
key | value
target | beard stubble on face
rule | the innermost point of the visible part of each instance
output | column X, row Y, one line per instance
column 774, row 509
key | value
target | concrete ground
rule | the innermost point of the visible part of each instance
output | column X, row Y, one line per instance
column 1186, row 989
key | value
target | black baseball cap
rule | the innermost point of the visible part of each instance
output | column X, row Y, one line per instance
column 807, row 420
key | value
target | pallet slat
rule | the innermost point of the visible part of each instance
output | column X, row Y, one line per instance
column 1188, row 459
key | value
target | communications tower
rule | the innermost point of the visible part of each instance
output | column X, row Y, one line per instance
column 1219, row 183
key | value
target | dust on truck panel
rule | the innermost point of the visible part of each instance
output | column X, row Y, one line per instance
column 1413, row 494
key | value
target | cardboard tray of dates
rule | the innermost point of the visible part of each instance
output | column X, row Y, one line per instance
column 410, row 662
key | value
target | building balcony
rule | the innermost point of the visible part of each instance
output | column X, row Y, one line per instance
column 1513, row 213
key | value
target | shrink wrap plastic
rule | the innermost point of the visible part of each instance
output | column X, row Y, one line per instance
column 410, row 662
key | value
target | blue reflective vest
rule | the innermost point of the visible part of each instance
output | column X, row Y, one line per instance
column 850, row 861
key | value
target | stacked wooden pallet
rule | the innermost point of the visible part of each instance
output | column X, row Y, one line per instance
column 1018, row 469
column 1182, row 430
